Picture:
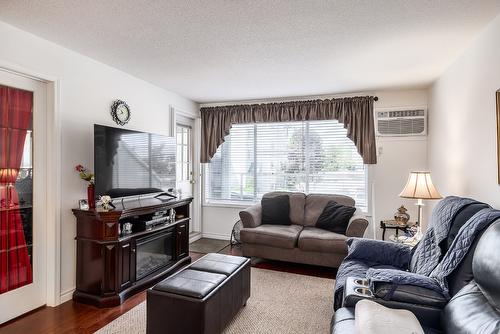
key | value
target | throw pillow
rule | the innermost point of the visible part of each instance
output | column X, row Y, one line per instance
column 335, row 217
column 276, row 210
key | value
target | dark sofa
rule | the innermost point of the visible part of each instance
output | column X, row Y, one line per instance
column 474, row 308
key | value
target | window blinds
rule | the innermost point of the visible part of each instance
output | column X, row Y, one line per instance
column 310, row 157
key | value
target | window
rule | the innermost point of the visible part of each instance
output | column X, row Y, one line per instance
column 183, row 152
column 310, row 157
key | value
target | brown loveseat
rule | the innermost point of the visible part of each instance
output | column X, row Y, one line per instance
column 300, row 242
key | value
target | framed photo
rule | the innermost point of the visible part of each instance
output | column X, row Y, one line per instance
column 498, row 134
column 83, row 204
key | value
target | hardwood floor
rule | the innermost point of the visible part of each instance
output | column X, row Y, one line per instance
column 72, row 317
column 69, row 317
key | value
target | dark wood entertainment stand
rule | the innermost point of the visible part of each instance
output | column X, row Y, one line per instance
column 106, row 258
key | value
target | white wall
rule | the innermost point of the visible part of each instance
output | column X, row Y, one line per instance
column 462, row 142
column 87, row 89
column 398, row 157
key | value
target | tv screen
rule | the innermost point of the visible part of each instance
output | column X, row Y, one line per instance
column 130, row 163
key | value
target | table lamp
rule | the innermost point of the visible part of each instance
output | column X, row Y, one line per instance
column 6, row 177
column 420, row 187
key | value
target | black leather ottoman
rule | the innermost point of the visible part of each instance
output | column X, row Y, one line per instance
column 202, row 298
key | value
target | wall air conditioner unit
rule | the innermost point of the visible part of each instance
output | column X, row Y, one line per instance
column 401, row 123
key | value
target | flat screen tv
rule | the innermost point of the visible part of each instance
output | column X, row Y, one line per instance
column 131, row 163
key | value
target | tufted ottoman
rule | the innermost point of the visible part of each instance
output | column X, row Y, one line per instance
column 202, row 298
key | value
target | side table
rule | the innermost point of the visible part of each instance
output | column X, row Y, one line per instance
column 392, row 225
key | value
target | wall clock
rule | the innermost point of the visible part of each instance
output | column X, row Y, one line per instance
column 120, row 111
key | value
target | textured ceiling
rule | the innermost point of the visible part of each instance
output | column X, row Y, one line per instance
column 233, row 50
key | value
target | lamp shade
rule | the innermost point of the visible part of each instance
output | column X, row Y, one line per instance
column 420, row 186
column 8, row 175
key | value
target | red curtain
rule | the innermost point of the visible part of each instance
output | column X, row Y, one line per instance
column 15, row 119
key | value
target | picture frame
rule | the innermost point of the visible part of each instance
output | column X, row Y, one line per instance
column 83, row 204
column 498, row 133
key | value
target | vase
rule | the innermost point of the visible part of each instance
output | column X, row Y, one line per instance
column 401, row 216
column 91, row 196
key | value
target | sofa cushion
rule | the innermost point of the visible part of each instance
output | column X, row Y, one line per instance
column 283, row 236
column 276, row 210
column 315, row 204
column 191, row 283
column 219, row 263
column 318, row 240
column 335, row 217
column 297, row 203
column 373, row 318
column 343, row 322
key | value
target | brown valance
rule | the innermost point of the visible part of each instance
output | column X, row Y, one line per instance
column 356, row 113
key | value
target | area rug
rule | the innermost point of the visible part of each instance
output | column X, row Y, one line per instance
column 280, row 302
column 206, row 245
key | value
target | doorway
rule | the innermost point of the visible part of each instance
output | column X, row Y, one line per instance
column 23, row 186
column 187, row 172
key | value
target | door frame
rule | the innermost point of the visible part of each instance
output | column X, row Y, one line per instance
column 52, row 171
column 196, row 204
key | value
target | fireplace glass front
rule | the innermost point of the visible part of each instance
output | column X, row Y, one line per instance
column 153, row 252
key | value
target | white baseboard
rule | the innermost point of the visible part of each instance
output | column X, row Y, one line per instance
column 216, row 236
column 67, row 295
column 194, row 236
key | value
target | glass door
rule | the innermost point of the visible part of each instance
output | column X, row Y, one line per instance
column 185, row 158
column 184, row 169
column 22, row 236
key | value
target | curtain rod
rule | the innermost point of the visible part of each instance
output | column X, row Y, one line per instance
column 251, row 102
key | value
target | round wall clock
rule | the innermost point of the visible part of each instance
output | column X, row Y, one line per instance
column 120, row 111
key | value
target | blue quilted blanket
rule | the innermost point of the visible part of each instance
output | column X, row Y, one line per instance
column 425, row 266
column 437, row 271
column 428, row 253
column 361, row 256
column 461, row 245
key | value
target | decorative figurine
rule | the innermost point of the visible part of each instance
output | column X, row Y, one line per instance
column 401, row 216
column 106, row 202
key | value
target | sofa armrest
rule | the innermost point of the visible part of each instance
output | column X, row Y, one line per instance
column 428, row 311
column 357, row 226
column 251, row 216
column 392, row 279
column 407, row 293
column 379, row 252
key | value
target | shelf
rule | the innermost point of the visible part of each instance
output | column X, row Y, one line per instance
column 124, row 237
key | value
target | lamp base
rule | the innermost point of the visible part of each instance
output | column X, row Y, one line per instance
column 420, row 205
column 7, row 202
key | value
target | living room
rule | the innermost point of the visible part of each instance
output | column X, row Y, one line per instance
column 269, row 122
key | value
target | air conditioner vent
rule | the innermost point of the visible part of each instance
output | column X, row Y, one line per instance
column 402, row 122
